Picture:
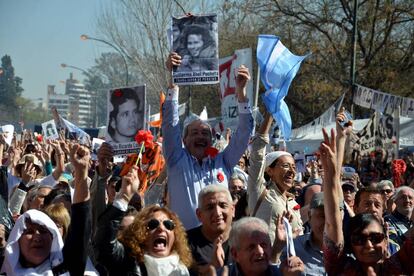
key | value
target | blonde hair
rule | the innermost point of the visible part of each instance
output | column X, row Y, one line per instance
column 135, row 235
column 60, row 215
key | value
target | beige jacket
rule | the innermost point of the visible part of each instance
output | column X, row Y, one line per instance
column 274, row 203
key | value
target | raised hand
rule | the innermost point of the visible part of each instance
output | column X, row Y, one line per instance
column 342, row 132
column 174, row 59
column 79, row 157
column 105, row 154
column 292, row 266
column 130, row 183
column 242, row 78
column 28, row 173
column 328, row 153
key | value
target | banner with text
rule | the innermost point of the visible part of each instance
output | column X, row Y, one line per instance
column 381, row 131
column 227, row 71
column 383, row 102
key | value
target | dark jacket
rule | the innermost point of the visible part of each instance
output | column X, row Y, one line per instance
column 109, row 251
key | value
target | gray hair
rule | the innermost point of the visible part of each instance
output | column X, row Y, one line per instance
column 401, row 189
column 384, row 183
column 191, row 119
column 238, row 176
column 246, row 225
column 212, row 189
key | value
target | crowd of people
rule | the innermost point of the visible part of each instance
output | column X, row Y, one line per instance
column 238, row 211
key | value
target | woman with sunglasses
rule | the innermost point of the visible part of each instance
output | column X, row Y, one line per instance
column 387, row 189
column 367, row 239
column 154, row 244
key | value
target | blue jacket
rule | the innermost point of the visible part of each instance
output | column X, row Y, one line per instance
column 186, row 177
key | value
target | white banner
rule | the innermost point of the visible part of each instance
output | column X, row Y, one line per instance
column 326, row 118
column 383, row 102
column 227, row 71
column 381, row 131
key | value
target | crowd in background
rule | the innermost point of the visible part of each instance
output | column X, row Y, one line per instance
column 230, row 212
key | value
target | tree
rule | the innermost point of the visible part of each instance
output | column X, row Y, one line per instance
column 385, row 45
column 10, row 88
column 139, row 29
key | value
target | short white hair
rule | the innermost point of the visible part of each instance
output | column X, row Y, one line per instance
column 246, row 225
column 212, row 189
column 401, row 189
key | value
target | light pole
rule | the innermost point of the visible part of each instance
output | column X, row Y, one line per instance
column 87, row 37
column 64, row 65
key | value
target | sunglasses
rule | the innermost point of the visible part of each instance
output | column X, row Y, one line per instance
column 386, row 191
column 154, row 224
column 374, row 238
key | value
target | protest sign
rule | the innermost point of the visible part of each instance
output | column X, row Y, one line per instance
column 7, row 131
column 381, row 131
column 195, row 39
column 96, row 144
column 228, row 71
column 126, row 115
column 49, row 130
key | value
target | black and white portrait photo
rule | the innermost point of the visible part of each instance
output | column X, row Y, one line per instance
column 126, row 115
column 49, row 130
column 195, row 39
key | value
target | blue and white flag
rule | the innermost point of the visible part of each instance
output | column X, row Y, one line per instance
column 80, row 134
column 278, row 66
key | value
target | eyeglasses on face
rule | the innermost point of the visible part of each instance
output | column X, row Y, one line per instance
column 154, row 224
column 360, row 239
column 287, row 166
column 386, row 191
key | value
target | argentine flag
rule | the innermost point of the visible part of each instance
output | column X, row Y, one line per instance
column 80, row 134
column 278, row 66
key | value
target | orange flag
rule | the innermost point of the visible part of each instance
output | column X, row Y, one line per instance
column 157, row 123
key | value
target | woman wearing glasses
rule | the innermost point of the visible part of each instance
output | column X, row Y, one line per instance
column 367, row 238
column 268, row 200
column 154, row 244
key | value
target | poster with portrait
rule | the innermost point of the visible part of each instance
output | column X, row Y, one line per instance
column 126, row 115
column 195, row 39
column 49, row 130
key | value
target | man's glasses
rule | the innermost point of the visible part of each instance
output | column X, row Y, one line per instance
column 374, row 238
column 386, row 191
column 154, row 224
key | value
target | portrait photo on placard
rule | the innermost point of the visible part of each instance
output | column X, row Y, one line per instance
column 126, row 115
column 49, row 130
column 195, row 39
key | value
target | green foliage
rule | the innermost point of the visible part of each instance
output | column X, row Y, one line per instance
column 10, row 85
column 385, row 45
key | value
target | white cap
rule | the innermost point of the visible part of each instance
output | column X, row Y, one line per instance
column 272, row 156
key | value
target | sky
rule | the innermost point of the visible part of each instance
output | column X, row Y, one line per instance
column 39, row 35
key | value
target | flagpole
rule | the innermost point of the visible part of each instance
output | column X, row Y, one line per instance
column 256, row 92
column 397, row 113
column 353, row 55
